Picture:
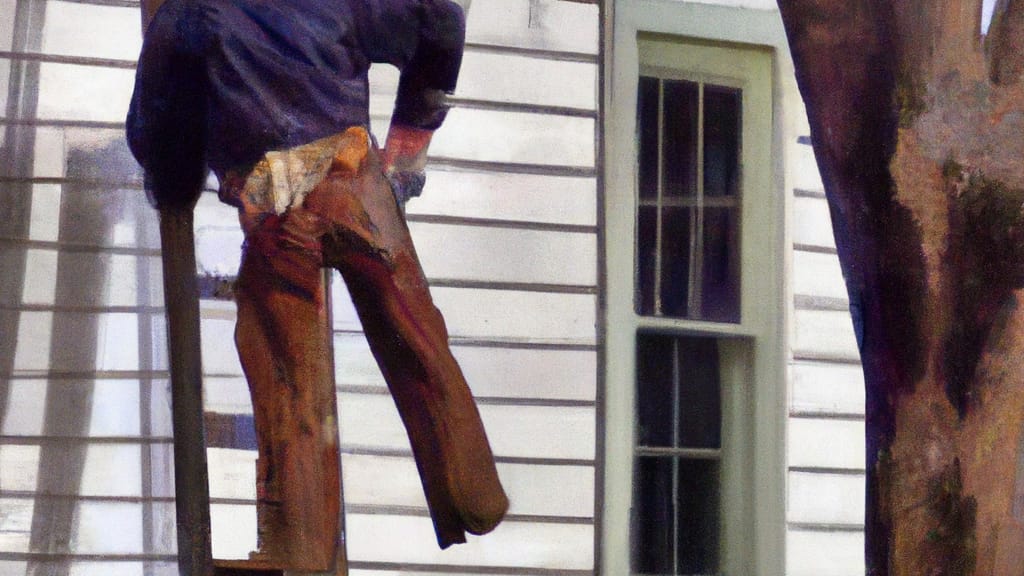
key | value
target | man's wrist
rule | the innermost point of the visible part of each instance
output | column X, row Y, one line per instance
column 405, row 184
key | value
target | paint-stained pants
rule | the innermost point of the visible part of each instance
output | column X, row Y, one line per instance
column 350, row 221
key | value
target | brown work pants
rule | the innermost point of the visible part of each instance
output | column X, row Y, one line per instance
column 350, row 221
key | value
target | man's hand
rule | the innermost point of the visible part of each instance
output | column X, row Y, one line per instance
column 405, row 157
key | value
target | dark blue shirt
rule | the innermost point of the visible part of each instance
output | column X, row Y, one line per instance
column 221, row 82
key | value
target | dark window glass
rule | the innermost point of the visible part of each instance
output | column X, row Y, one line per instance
column 647, row 123
column 678, row 394
column 721, row 141
column 679, row 139
column 655, row 379
column 688, row 226
column 679, row 420
column 720, row 274
column 676, row 520
column 677, row 227
column 647, row 258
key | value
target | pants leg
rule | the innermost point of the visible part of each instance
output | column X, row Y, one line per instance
column 283, row 342
column 371, row 247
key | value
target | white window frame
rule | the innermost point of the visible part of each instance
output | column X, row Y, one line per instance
column 751, row 352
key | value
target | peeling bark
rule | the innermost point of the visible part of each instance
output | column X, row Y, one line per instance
column 917, row 123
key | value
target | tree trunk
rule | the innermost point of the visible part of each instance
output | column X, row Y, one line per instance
column 917, row 123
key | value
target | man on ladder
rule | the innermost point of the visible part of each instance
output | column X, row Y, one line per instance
column 272, row 96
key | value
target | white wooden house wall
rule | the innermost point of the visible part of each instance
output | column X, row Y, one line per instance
column 825, row 444
column 508, row 232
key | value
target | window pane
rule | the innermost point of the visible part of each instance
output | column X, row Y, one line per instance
column 680, row 138
column 721, row 141
column 676, row 242
column 647, row 258
column 647, row 124
column 654, row 382
column 700, row 400
column 720, row 273
column 676, row 523
column 678, row 394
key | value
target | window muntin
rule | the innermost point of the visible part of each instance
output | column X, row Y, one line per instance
column 688, row 213
column 678, row 453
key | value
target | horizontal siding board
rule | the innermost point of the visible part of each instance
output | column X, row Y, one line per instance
column 512, row 197
column 93, row 31
column 75, row 92
column 822, row 498
column 508, row 315
column 505, row 255
column 373, row 480
column 20, row 471
column 114, row 349
column 817, row 274
column 91, row 532
column 119, row 274
column 565, row 491
column 813, row 553
column 7, row 25
column 498, row 77
column 371, row 421
column 491, row 372
column 824, row 335
column 232, row 530
column 819, row 443
column 512, row 137
column 827, row 388
column 812, row 224
column 505, row 77
column 543, row 25
column 113, row 410
column 805, row 169
column 410, row 540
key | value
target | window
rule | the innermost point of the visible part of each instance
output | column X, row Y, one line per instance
column 679, row 442
column 694, row 401
column 688, row 186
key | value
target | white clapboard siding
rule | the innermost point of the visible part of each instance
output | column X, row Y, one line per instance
column 7, row 25
column 827, row 389
column 120, row 271
column 388, row 481
column 114, row 352
column 824, row 334
column 817, row 274
column 825, row 498
column 513, row 137
column 533, row 198
column 826, row 443
column 506, row 231
column 90, row 30
column 812, row 224
column 804, row 170
column 492, row 372
column 78, row 92
column 826, row 436
column 410, row 540
column 487, row 75
column 824, row 553
column 506, row 255
column 21, row 467
column 504, row 315
column 550, row 25
column 371, row 422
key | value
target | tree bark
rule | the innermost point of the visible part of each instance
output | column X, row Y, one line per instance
column 917, row 123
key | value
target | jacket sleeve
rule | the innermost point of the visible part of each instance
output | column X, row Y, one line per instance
column 424, row 39
column 167, row 118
